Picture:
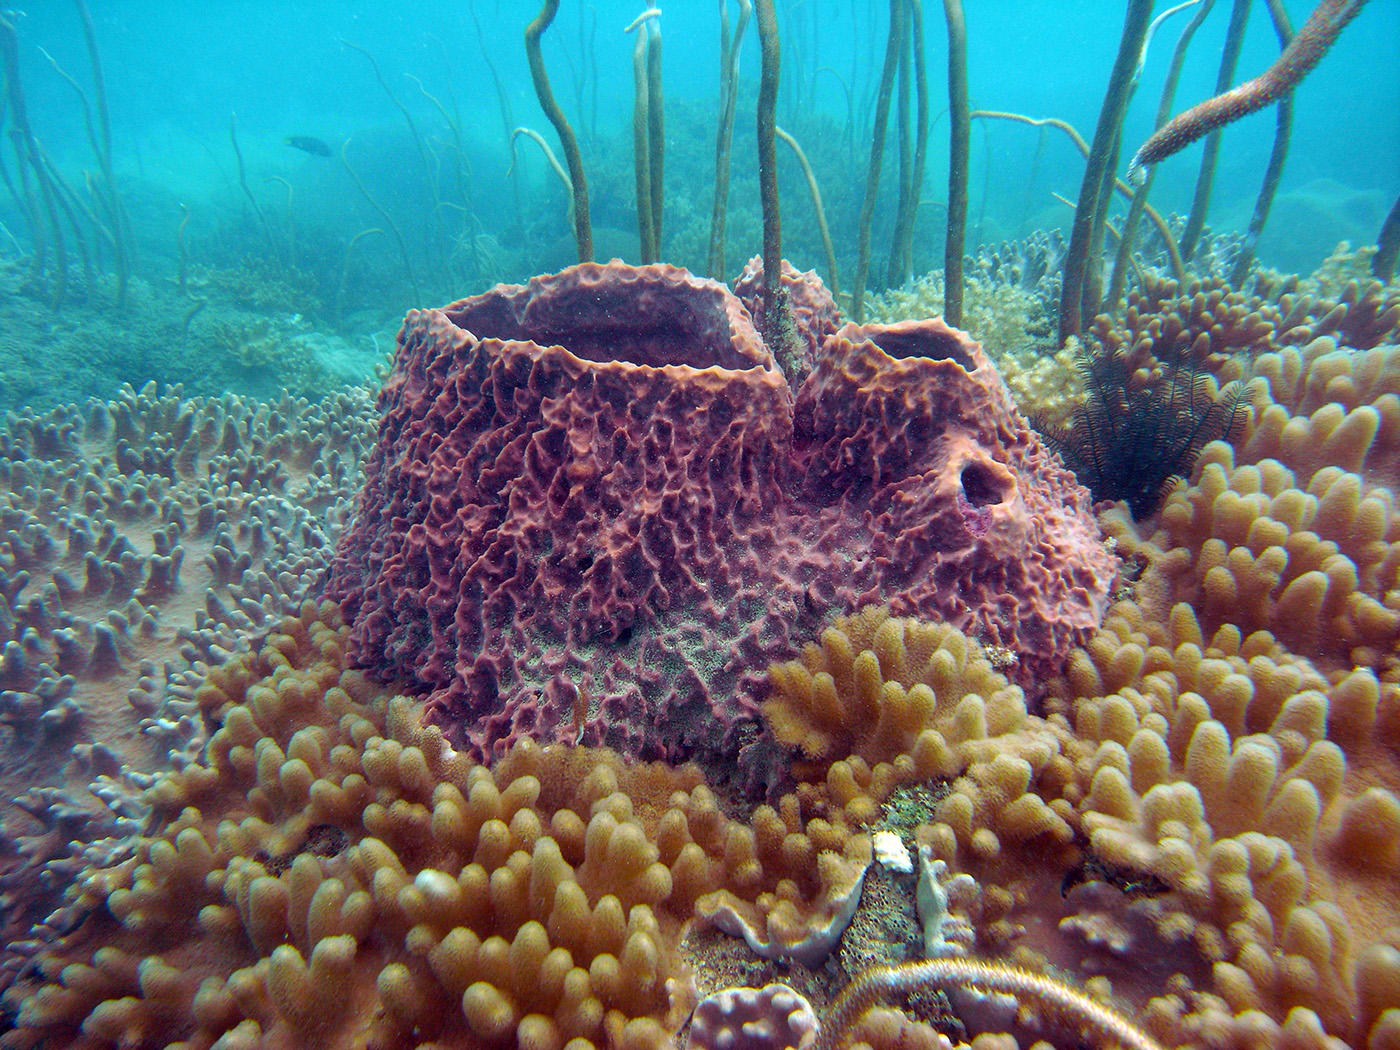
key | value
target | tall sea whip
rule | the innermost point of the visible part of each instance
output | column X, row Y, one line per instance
column 583, row 225
column 1297, row 61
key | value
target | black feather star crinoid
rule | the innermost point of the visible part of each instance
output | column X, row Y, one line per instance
column 1140, row 430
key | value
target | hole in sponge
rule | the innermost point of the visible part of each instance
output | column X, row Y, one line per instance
column 982, row 486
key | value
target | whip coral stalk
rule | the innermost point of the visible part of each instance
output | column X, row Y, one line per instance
column 1079, row 292
column 877, row 155
column 648, row 130
column 833, row 279
column 959, row 134
column 911, row 167
column 583, row 224
column 873, row 985
column 1387, row 245
column 728, row 95
column 641, row 140
column 116, row 215
column 1210, row 152
column 780, row 331
column 1297, row 61
column 1283, row 131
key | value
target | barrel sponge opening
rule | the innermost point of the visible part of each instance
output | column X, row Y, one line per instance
column 651, row 315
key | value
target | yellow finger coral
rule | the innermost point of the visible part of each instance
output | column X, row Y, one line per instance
column 1262, row 794
column 333, row 874
column 885, row 701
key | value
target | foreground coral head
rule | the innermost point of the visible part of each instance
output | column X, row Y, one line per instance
column 597, row 511
column 525, row 905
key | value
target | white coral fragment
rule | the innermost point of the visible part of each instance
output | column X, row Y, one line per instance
column 891, row 852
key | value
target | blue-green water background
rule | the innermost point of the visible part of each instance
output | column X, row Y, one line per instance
column 177, row 73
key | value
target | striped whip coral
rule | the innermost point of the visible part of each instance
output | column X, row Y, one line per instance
column 870, row 987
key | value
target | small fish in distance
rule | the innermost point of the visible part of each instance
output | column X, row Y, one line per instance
column 309, row 144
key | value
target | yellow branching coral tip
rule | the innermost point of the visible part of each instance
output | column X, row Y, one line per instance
column 879, row 689
column 1369, row 835
column 489, row 1011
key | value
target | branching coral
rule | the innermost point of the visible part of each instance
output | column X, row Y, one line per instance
column 1289, row 532
column 883, row 690
column 1262, row 794
column 885, row 702
column 333, row 869
column 331, row 872
column 999, row 315
column 1156, row 373
column 1238, row 722
column 143, row 538
column 1226, row 329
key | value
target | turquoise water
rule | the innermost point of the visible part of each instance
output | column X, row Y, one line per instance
column 177, row 76
column 275, row 185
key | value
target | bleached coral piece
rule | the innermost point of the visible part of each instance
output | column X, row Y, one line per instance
column 945, row 934
column 812, row 949
column 891, row 852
